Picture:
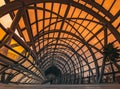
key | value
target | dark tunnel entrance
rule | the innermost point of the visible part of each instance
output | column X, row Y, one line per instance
column 52, row 72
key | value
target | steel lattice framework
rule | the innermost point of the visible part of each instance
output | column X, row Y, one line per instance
column 69, row 34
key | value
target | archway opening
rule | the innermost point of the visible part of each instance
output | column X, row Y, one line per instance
column 52, row 72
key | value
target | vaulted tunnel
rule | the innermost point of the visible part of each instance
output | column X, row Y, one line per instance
column 52, row 72
column 59, row 40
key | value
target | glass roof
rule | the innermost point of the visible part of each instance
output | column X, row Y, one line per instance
column 70, row 34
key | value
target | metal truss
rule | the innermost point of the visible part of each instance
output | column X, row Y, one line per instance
column 69, row 34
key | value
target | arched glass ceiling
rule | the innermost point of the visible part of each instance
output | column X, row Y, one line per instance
column 70, row 34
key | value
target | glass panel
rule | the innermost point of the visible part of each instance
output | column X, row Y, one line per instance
column 70, row 11
column 6, row 21
column 2, row 2
column 107, row 4
column 115, row 7
column 21, row 23
column 17, row 77
column 34, row 29
column 76, row 13
column 26, row 64
column 63, row 9
column 58, row 25
column 31, row 15
column 47, row 14
column 2, row 33
column 40, row 25
column 56, row 7
column 116, row 22
column 48, row 6
column 93, row 41
column 12, row 55
column 99, row 1
column 40, row 14
column 16, row 46
column 26, row 35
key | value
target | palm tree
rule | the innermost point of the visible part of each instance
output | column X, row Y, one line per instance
column 111, row 54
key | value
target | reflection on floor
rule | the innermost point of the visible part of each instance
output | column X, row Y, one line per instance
column 84, row 86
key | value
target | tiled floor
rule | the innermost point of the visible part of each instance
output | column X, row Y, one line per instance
column 108, row 86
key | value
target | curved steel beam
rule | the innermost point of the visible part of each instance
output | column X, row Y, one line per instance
column 94, row 58
column 75, row 4
column 85, row 62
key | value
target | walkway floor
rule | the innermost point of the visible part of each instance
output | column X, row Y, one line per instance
column 106, row 86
